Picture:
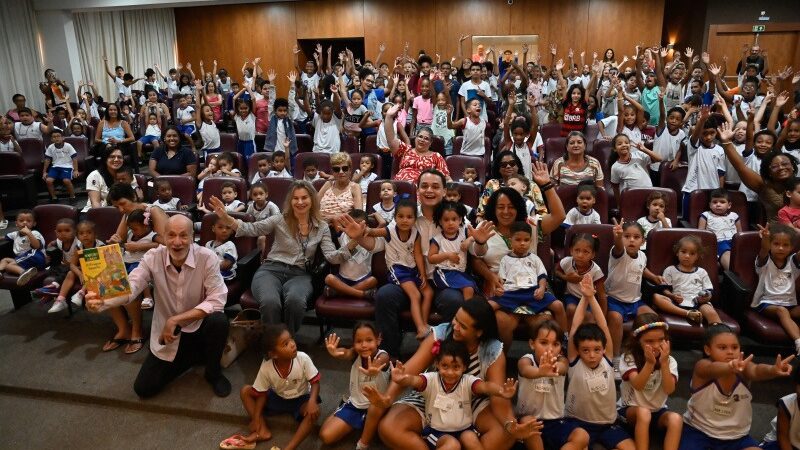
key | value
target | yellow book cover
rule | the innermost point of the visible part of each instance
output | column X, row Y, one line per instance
column 104, row 271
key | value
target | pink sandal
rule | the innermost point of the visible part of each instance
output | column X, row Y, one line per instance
column 236, row 442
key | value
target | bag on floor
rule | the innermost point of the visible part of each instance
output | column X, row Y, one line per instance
column 245, row 329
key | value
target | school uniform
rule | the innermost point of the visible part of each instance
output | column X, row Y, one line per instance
column 354, row 411
column 543, row 398
column 446, row 273
column 25, row 255
column 400, row 256
column 521, row 275
column 447, row 411
column 226, row 251
column 286, row 394
column 577, row 217
column 716, row 420
column 776, row 284
column 723, row 226
column 572, row 293
column 624, row 283
column 688, row 285
column 790, row 406
column 652, row 397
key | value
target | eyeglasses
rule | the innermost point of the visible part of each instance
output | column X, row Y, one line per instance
column 337, row 169
column 115, row 157
column 783, row 165
column 504, row 164
column 423, row 137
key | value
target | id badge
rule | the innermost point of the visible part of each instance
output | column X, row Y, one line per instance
column 597, row 383
column 722, row 410
column 635, row 276
column 443, row 403
column 543, row 387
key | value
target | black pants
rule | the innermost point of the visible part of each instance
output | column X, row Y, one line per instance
column 203, row 346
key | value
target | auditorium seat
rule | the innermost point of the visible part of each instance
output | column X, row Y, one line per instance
column 213, row 186
column 323, row 163
column 247, row 253
column 633, row 204
column 457, row 163
column 568, row 195
column 17, row 186
column 106, row 220
column 698, row 203
column 355, row 162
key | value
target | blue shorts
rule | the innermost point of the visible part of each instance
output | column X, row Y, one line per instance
column 521, row 301
column 59, row 173
column 185, row 129
column 431, row 436
column 34, row 258
column 627, row 310
column 555, row 432
column 130, row 266
column 399, row 274
column 770, row 445
column 278, row 405
column 352, row 282
column 246, row 148
column 694, row 439
column 352, row 416
column 570, row 299
column 724, row 246
column 452, row 279
column 147, row 139
column 655, row 416
column 762, row 306
column 607, row 435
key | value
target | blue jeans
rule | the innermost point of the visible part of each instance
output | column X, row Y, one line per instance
column 390, row 301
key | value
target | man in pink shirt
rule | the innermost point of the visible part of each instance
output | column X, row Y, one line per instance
column 189, row 326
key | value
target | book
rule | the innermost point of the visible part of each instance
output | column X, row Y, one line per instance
column 104, row 271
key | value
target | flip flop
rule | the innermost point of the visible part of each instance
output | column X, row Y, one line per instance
column 134, row 343
column 236, row 442
column 113, row 344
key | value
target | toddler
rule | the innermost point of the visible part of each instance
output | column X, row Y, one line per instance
column 260, row 207
column 452, row 194
column 152, row 134
column 571, row 269
column 656, row 217
column 262, row 171
column 164, row 198
column 722, row 222
column 58, row 256
column 470, row 175
column 522, row 185
column 630, row 167
column 28, row 250
column 355, row 274
column 790, row 214
column 311, row 172
column 365, row 174
column 86, row 239
column 224, row 247
column 384, row 210
column 583, row 212
column 60, row 163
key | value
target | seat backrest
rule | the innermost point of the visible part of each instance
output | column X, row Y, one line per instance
column 244, row 244
column 319, row 183
column 355, row 162
column 744, row 250
column 601, row 150
column 252, row 164
column 213, row 186
column 144, row 182
column 323, row 163
column 458, row 141
column 592, row 130
column 11, row 163
column 227, row 142
column 305, row 143
column 403, row 187
column 605, row 235
column 469, row 194
column 371, row 144
column 550, row 130
column 260, row 140
column 554, row 148
column 238, row 161
column 457, row 163
column 633, row 203
column 32, row 153
column 81, row 146
column 183, row 187
column 48, row 215
column 350, row 144
column 672, row 179
column 106, row 220
column 379, row 267
column 569, row 198
column 660, row 254
column 699, row 200
column 277, row 189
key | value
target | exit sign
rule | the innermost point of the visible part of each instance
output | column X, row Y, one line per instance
column 759, row 28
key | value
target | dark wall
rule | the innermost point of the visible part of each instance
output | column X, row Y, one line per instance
column 743, row 11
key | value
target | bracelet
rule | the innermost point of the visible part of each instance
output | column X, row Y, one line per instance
column 480, row 243
column 546, row 187
column 726, row 143
column 507, row 425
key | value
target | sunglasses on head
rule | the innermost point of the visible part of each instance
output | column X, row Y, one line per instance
column 337, row 169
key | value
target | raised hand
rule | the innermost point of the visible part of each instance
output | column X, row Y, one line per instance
column 271, row 75
column 782, row 99
column 594, row 55
column 509, row 388
column 463, row 38
column 650, row 354
column 725, row 132
column 540, row 174
column 332, row 345
column 559, row 64
column 372, row 368
column 740, row 363
column 318, row 48
column 763, row 233
column 570, row 53
column 587, row 285
column 666, row 349
column 353, row 229
column 292, row 77
column 782, row 368
column 689, row 52
column 382, row 47
column 201, row 63
column 617, row 229
column 553, row 49
column 188, row 66
column 663, row 52
column 547, row 364
column 482, row 233
column 295, row 50
column 398, row 373
column 583, row 54
column 215, row 62
column 219, row 209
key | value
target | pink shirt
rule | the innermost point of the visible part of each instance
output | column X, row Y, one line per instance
column 198, row 285
column 424, row 107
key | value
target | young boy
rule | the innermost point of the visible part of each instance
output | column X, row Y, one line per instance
column 279, row 166
column 262, row 169
column 28, row 249
column 722, row 222
column 281, row 129
column 706, row 158
column 27, row 128
column 355, row 275
column 125, row 175
column 225, row 249
column 60, row 163
column 311, row 173
column 475, row 88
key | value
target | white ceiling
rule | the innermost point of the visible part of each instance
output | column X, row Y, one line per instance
column 99, row 5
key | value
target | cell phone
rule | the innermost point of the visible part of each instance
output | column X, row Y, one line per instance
column 175, row 332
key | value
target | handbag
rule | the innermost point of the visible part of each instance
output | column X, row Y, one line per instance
column 318, row 268
column 244, row 330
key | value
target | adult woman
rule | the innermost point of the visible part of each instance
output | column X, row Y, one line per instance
column 128, row 318
column 474, row 325
column 777, row 169
column 100, row 179
column 576, row 166
column 113, row 132
column 505, row 165
column 19, row 101
column 413, row 160
column 339, row 195
column 504, row 208
column 282, row 285
column 609, row 57
column 173, row 158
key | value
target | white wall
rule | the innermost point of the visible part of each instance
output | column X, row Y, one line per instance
column 59, row 46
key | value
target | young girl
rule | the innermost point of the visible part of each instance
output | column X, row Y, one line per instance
column 655, row 218
column 422, row 107
column 525, row 279
column 626, row 268
column 355, row 112
column 473, row 129
column 583, row 212
column 245, row 123
column 225, row 248
column 522, row 137
column 448, row 394
column 370, row 368
column 59, row 254
column 206, row 125
column 777, row 268
column 441, row 111
column 572, row 269
column 790, row 214
column 287, row 383
column 86, row 239
column 690, row 288
column 719, row 412
column 448, row 249
column 649, row 376
column 384, row 210
column 630, row 166
column 164, row 198
column 152, row 135
column 261, row 207
column 630, row 119
column 722, row 222
column 365, row 174
column 140, row 239
column 354, row 278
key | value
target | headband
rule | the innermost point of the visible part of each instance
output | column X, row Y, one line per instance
column 650, row 326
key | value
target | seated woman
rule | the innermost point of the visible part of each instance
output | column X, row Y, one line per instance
column 339, row 195
column 576, row 166
column 414, row 160
column 173, row 158
column 114, row 132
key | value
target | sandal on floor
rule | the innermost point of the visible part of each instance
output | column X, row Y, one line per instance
column 236, row 442
column 695, row 316
column 113, row 344
column 134, row 343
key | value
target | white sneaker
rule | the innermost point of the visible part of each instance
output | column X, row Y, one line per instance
column 26, row 276
column 3, row 224
column 58, row 306
column 147, row 303
column 77, row 299
column 617, row 374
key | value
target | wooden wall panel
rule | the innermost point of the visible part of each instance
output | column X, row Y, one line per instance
column 478, row 18
column 329, row 19
column 609, row 25
column 781, row 41
column 415, row 23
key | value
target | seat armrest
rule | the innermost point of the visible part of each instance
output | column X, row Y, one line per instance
column 737, row 294
column 6, row 248
column 248, row 264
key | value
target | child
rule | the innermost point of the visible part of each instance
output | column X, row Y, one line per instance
column 327, row 121
column 422, row 107
column 287, row 383
column 542, row 374
column 775, row 295
column 591, row 393
column 152, row 135
column 384, row 210
column 281, row 130
column 448, row 249
column 365, row 174
column 525, row 279
column 522, row 137
column 225, row 249
column 630, row 166
column 245, row 123
column 649, row 376
column 140, row 239
column 706, row 158
column 571, row 269
column 185, row 118
column 722, row 222
column 124, row 175
column 522, row 184
column 210, row 170
column 655, row 218
column 260, row 207
column 452, row 194
column 58, row 255
column 28, row 250
column 669, row 134
column 164, row 198
column 226, row 166
column 60, row 163
column 86, row 239
column 626, row 268
column 477, row 90
column 355, row 275
column 263, row 170
column 448, row 394
column 441, row 111
column 279, row 166
column 785, row 431
column 473, row 128
column 790, row 214
column 7, row 141
column 470, row 175
column 719, row 412
column 583, row 212
column 690, row 288
column 355, row 115
column 27, row 128
column 370, row 368
column 230, row 197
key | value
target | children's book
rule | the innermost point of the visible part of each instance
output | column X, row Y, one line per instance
column 104, row 271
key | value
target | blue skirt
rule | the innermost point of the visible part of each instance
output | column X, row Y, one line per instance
column 246, row 148
column 453, row 279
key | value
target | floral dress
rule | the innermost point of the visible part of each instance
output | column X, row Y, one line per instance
column 412, row 163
